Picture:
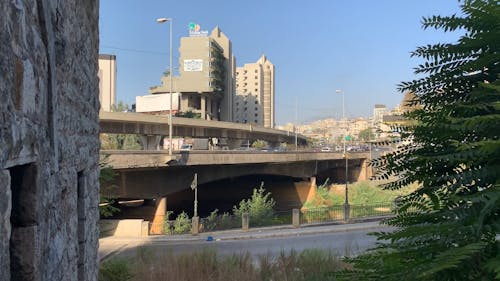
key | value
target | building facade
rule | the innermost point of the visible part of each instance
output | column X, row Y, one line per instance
column 49, row 140
column 107, row 81
column 206, row 76
column 254, row 99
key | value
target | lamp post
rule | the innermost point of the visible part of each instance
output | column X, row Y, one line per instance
column 346, row 202
column 163, row 20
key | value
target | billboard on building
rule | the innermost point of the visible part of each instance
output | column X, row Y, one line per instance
column 157, row 102
column 193, row 65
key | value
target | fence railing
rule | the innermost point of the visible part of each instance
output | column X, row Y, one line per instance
column 305, row 216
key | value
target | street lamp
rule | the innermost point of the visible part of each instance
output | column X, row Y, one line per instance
column 346, row 202
column 163, row 20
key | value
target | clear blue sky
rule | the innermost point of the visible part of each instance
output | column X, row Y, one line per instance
column 360, row 46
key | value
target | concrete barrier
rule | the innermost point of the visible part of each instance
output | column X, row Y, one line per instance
column 123, row 228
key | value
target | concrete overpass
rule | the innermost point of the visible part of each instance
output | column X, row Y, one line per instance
column 153, row 174
column 152, row 127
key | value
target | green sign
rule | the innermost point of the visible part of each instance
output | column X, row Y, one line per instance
column 347, row 138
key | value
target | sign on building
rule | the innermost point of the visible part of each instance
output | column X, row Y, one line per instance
column 193, row 65
column 195, row 30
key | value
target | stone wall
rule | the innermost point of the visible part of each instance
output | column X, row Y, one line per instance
column 49, row 142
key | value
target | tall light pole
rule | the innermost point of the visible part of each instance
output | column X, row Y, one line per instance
column 346, row 202
column 163, row 20
column 295, row 126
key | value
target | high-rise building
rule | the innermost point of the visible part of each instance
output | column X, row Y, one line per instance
column 378, row 111
column 206, row 76
column 254, row 100
column 107, row 81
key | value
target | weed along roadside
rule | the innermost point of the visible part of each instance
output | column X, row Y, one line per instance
column 312, row 264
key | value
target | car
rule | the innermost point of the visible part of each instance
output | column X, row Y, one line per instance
column 326, row 149
column 186, row 147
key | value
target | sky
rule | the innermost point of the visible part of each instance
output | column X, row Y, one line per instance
column 360, row 47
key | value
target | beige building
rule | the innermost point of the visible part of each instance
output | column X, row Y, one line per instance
column 107, row 81
column 206, row 76
column 254, row 100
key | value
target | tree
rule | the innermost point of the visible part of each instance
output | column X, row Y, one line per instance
column 447, row 227
column 366, row 134
column 106, row 176
column 120, row 141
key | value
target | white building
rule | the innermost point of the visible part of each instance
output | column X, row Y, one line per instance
column 107, row 81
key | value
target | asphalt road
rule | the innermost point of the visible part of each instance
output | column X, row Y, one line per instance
column 341, row 243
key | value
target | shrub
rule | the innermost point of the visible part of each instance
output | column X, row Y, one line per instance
column 182, row 224
column 260, row 207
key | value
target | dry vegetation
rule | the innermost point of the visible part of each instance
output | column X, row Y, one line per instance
column 206, row 265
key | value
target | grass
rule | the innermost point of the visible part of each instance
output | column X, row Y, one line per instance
column 207, row 265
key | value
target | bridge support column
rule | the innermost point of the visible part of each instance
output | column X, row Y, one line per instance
column 312, row 189
column 150, row 142
column 366, row 170
column 159, row 218
column 203, row 107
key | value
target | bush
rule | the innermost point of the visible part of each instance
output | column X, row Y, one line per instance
column 260, row 207
column 115, row 270
column 182, row 224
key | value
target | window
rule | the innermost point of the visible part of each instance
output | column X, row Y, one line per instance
column 256, row 90
column 256, row 77
column 256, row 102
column 256, row 114
column 245, row 108
column 256, row 109
column 24, row 222
column 256, row 71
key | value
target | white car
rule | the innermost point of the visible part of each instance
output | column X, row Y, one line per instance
column 326, row 149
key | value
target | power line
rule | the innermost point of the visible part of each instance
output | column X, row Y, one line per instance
column 134, row 50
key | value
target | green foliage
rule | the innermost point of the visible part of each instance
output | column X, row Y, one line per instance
column 258, row 144
column 120, row 141
column 115, row 270
column 106, row 176
column 260, row 207
column 447, row 227
column 366, row 134
column 218, row 222
column 182, row 224
column 323, row 198
column 188, row 114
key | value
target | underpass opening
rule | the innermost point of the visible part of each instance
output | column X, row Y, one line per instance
column 287, row 192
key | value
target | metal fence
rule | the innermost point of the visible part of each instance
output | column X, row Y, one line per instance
column 322, row 214
column 371, row 210
column 306, row 216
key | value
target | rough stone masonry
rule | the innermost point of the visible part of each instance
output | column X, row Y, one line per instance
column 49, row 142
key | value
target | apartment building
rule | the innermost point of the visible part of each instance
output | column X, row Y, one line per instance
column 206, row 76
column 254, row 100
column 107, row 81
